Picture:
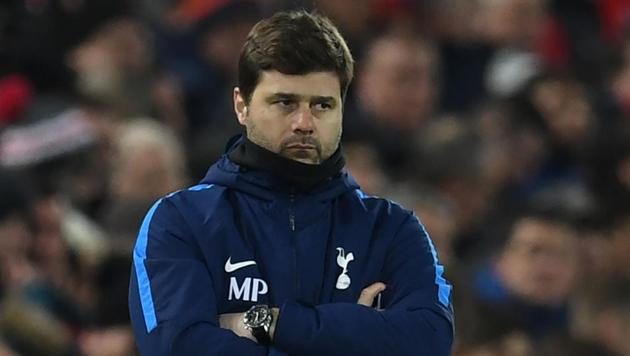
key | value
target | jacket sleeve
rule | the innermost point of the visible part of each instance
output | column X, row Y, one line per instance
column 171, row 299
column 418, row 320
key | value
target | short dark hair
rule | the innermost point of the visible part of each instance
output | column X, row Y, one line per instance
column 294, row 42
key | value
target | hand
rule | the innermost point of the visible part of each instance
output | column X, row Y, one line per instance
column 370, row 292
column 234, row 322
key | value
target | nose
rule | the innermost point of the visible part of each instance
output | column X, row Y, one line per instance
column 303, row 122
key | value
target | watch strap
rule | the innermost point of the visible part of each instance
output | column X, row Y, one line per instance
column 262, row 335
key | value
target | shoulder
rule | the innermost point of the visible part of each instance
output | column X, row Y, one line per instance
column 189, row 202
column 179, row 213
column 198, row 191
column 198, row 194
column 378, row 207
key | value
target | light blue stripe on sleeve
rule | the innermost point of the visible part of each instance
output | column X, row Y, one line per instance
column 200, row 187
column 444, row 289
column 144, row 286
column 362, row 195
column 140, row 255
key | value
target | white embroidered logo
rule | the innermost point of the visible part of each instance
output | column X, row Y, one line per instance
column 343, row 281
column 231, row 267
column 249, row 290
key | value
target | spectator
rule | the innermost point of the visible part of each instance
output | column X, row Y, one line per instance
column 37, row 314
column 116, row 65
column 218, row 36
column 16, row 235
column 367, row 166
column 448, row 156
column 396, row 92
column 149, row 162
column 534, row 274
column 110, row 334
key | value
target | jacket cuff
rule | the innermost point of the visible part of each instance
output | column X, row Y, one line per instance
column 294, row 325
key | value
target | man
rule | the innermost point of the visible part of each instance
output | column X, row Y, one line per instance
column 534, row 274
column 278, row 251
column 396, row 93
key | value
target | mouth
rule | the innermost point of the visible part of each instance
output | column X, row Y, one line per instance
column 299, row 146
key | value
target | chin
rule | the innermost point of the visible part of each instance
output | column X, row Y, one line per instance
column 305, row 160
column 303, row 157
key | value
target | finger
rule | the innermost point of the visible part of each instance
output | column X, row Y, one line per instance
column 369, row 293
column 225, row 321
column 234, row 322
column 230, row 321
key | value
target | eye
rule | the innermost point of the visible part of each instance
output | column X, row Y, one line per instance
column 324, row 106
column 285, row 103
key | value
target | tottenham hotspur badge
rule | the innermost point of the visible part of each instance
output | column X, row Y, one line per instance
column 343, row 281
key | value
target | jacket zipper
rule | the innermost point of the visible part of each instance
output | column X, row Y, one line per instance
column 291, row 213
column 293, row 248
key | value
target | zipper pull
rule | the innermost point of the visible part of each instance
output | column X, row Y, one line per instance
column 291, row 213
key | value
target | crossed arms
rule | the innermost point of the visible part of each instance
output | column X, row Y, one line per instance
column 185, row 319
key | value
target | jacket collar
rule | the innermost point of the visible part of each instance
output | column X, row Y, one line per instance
column 267, row 182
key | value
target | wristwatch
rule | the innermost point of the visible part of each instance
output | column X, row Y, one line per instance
column 258, row 320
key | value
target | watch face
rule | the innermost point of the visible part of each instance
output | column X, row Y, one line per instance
column 257, row 316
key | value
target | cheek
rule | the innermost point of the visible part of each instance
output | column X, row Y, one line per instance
column 330, row 131
column 267, row 123
column 334, row 122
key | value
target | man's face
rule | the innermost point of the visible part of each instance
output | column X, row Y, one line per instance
column 397, row 85
column 540, row 261
column 296, row 116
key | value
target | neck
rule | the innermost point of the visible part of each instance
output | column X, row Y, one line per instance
column 301, row 175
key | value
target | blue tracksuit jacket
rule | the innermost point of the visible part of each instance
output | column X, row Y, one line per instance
column 243, row 237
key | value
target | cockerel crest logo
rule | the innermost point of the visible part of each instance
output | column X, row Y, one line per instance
column 343, row 281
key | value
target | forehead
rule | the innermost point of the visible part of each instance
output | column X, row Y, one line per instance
column 399, row 52
column 532, row 231
column 310, row 84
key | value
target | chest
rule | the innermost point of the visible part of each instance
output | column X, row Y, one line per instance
column 312, row 252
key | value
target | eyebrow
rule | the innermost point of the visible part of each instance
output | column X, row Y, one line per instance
column 296, row 97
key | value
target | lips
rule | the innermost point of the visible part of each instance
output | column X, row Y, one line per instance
column 300, row 143
column 301, row 146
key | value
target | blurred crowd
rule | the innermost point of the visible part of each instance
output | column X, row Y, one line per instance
column 504, row 124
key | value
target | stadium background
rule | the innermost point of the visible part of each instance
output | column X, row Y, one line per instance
column 475, row 113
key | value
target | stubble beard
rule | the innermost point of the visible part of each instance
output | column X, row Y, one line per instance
column 314, row 156
column 308, row 156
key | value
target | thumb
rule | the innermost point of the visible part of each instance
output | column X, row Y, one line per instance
column 369, row 293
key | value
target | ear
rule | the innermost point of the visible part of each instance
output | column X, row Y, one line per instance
column 240, row 106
